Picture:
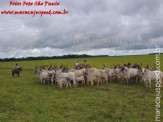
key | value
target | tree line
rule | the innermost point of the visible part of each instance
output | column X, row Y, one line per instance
column 48, row 57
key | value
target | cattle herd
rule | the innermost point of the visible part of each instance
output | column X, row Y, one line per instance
column 71, row 76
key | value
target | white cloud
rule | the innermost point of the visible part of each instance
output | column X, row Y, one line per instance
column 22, row 34
column 59, row 52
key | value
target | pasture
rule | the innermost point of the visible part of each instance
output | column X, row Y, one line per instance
column 24, row 99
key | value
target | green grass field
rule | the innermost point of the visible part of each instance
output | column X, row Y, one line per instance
column 24, row 99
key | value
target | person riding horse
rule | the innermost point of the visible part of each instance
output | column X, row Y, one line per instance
column 16, row 67
column 16, row 70
column 77, row 65
column 85, row 65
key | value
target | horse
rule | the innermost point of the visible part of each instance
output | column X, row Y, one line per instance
column 16, row 71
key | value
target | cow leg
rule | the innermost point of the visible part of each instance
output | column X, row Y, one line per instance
column 69, row 84
column 98, row 81
column 74, row 82
column 149, row 83
column 160, row 81
column 109, row 79
column 83, row 82
column 60, row 85
column 146, row 83
column 48, row 81
column 66, row 85
column 138, row 79
column 55, row 82
column 44, row 81
column 103, row 80
column 106, row 80
column 87, row 82
column 129, row 80
column 52, row 81
column 91, row 82
column 77, row 84
column 85, row 79
column 121, row 80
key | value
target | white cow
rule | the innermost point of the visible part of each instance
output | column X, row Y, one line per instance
column 92, row 78
column 130, row 73
column 119, row 74
column 104, row 75
column 79, row 73
column 94, row 75
column 149, row 76
column 80, row 79
column 43, row 75
column 67, row 75
column 62, row 80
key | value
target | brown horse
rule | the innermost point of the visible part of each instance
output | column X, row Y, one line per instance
column 16, row 71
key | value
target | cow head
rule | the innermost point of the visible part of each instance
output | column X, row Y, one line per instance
column 36, row 70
